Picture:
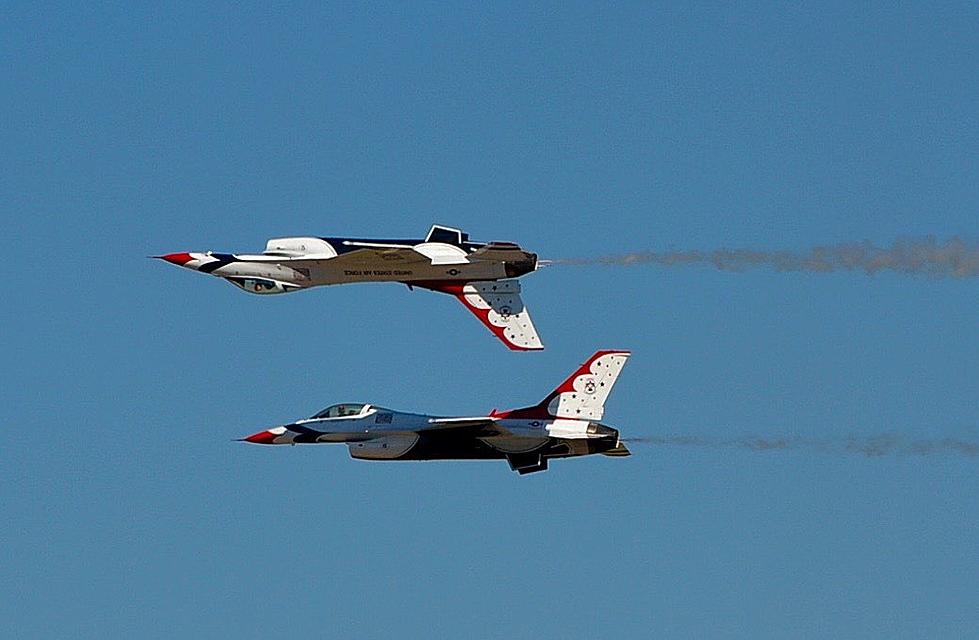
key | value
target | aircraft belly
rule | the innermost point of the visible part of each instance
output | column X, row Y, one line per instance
column 327, row 273
column 511, row 444
column 451, row 448
column 263, row 270
column 390, row 447
column 468, row 448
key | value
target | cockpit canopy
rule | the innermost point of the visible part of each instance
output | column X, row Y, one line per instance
column 343, row 410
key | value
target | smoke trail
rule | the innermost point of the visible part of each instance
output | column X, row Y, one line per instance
column 870, row 446
column 953, row 258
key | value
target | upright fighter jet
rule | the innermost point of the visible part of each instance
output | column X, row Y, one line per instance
column 565, row 424
column 481, row 275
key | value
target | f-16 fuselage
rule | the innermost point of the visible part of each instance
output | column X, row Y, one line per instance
column 481, row 275
column 565, row 424
column 289, row 264
column 376, row 433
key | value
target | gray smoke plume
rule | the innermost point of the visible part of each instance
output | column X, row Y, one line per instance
column 954, row 258
column 870, row 446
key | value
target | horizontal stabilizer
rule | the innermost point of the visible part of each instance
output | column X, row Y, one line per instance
column 440, row 253
column 524, row 463
column 620, row 450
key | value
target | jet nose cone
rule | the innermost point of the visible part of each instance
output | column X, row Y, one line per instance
column 266, row 437
column 262, row 437
column 179, row 259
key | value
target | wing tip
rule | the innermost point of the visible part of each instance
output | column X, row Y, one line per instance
column 518, row 347
column 609, row 352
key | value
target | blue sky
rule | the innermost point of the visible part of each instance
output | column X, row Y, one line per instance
column 575, row 129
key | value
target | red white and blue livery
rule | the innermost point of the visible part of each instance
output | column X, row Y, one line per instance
column 481, row 275
column 567, row 423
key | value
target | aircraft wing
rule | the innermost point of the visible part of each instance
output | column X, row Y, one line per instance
column 379, row 253
column 477, row 426
column 364, row 254
column 498, row 305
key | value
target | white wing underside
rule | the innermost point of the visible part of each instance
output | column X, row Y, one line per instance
column 434, row 253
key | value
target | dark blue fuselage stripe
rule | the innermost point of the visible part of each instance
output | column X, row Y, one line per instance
column 223, row 259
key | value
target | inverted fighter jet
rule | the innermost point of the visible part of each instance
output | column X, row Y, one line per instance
column 481, row 275
column 565, row 424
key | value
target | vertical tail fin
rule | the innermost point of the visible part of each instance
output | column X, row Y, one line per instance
column 498, row 305
column 582, row 396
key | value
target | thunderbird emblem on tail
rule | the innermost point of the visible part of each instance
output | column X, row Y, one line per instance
column 481, row 275
column 565, row 424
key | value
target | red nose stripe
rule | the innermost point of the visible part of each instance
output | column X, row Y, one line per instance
column 179, row 259
column 262, row 437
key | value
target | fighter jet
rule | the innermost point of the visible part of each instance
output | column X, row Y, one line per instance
column 565, row 424
column 481, row 275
